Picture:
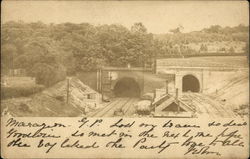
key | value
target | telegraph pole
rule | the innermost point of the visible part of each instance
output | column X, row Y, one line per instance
column 177, row 100
column 166, row 87
column 67, row 91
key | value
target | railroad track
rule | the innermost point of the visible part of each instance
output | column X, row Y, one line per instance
column 122, row 103
column 208, row 106
column 117, row 103
column 200, row 105
column 218, row 106
column 128, row 110
column 107, row 107
column 203, row 104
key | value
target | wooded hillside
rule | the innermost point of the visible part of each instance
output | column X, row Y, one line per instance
column 50, row 51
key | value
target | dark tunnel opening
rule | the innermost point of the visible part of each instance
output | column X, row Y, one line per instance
column 127, row 87
column 190, row 84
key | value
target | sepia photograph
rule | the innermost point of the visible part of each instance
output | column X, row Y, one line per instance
column 124, row 79
column 135, row 59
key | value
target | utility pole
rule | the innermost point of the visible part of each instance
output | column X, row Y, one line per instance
column 67, row 91
column 166, row 87
column 177, row 101
column 101, row 80
column 97, row 79
column 110, row 84
column 143, row 79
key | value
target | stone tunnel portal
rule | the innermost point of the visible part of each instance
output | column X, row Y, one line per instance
column 127, row 87
column 190, row 84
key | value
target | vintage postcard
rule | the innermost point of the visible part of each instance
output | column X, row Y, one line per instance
column 124, row 79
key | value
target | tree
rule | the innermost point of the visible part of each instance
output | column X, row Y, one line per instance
column 48, row 74
column 142, row 45
column 42, row 59
column 17, row 34
column 8, row 53
column 203, row 48
column 91, row 63
column 231, row 50
column 214, row 29
column 177, row 30
column 139, row 28
column 39, row 50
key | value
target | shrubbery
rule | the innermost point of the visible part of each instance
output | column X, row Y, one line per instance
column 13, row 92
column 48, row 75
column 143, row 107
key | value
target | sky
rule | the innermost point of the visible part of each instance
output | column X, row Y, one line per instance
column 158, row 16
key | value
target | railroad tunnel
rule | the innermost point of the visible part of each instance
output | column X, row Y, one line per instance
column 127, row 87
column 190, row 84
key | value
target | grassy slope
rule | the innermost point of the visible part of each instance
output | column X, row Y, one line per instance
column 50, row 102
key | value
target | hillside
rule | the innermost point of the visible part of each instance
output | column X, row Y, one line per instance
column 53, row 101
column 215, row 39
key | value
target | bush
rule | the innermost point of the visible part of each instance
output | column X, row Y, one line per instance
column 24, row 108
column 143, row 107
column 60, row 98
column 48, row 74
column 231, row 50
column 13, row 92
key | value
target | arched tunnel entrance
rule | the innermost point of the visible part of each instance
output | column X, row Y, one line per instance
column 190, row 83
column 127, row 87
